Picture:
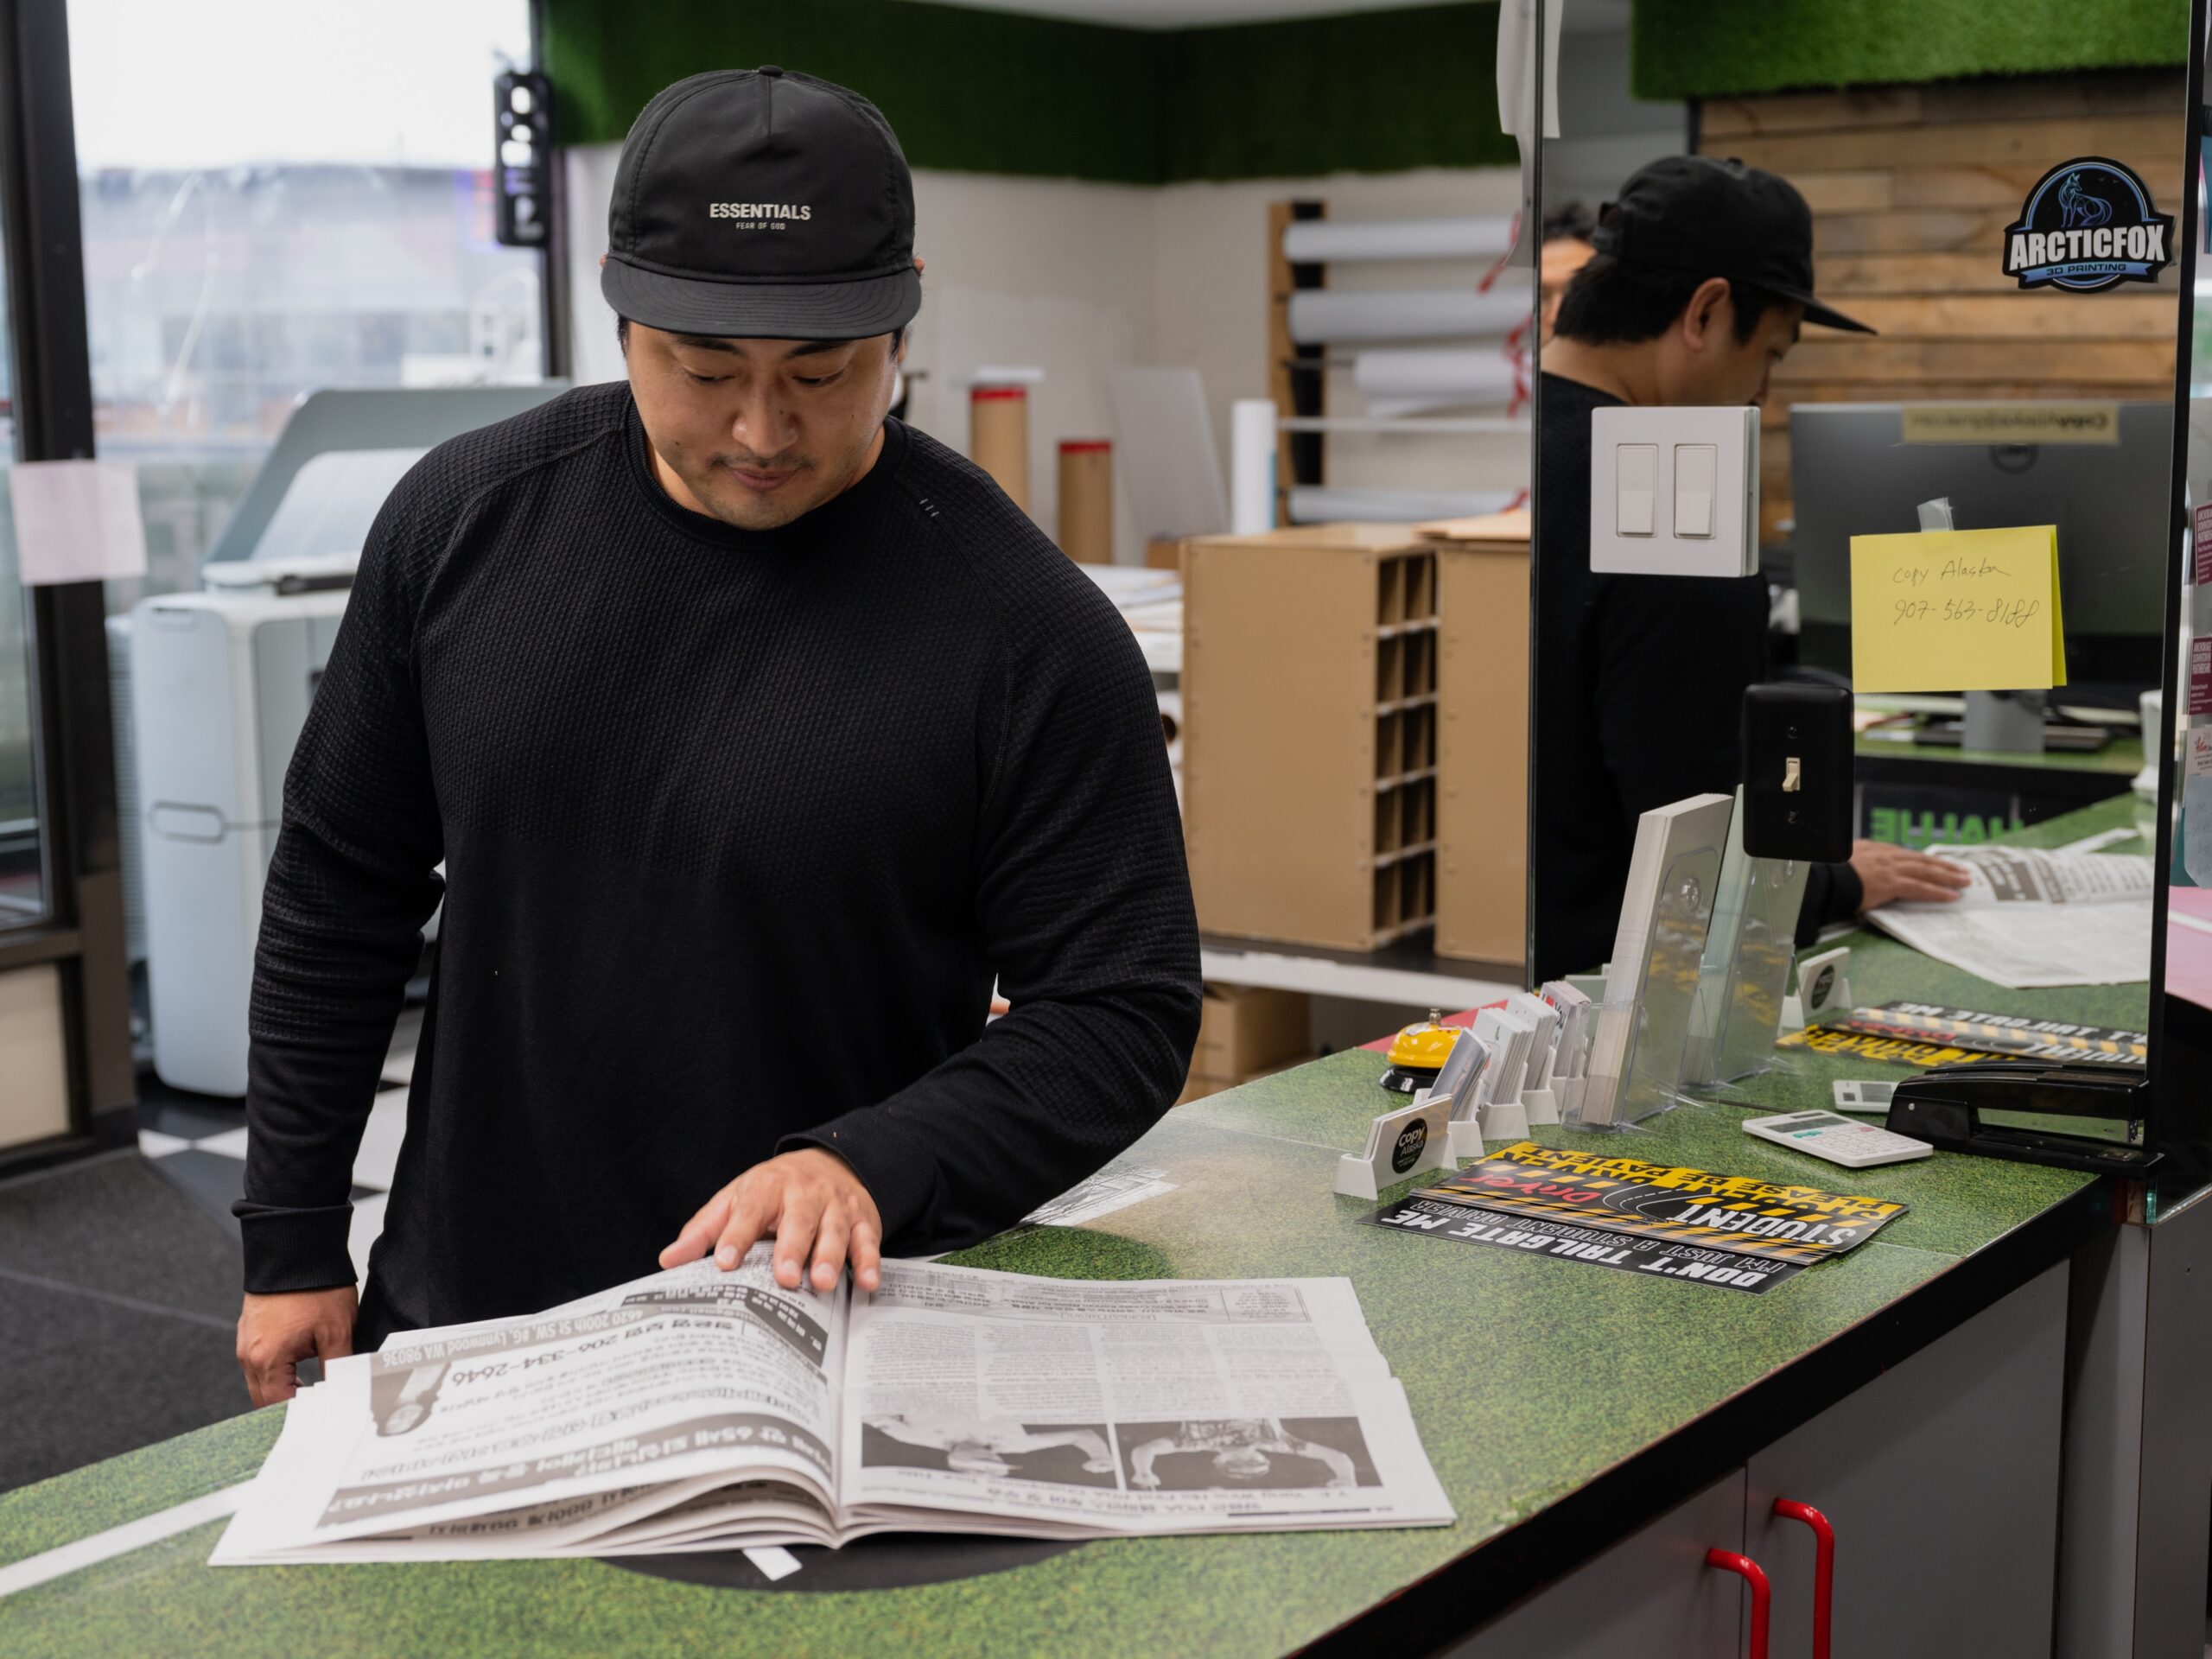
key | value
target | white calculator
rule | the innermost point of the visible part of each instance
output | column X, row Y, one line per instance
column 1839, row 1140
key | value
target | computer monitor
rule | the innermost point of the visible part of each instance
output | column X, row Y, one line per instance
column 1853, row 473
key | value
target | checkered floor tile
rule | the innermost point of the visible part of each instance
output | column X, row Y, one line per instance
column 199, row 1142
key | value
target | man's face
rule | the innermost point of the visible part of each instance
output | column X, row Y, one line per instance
column 1703, row 362
column 757, row 432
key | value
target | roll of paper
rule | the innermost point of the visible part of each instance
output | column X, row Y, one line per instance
column 1325, row 504
column 1087, row 500
column 1418, row 379
column 1480, row 236
column 1251, row 465
column 998, row 437
column 1322, row 314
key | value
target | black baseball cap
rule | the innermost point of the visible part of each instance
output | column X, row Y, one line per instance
column 1700, row 214
column 762, row 202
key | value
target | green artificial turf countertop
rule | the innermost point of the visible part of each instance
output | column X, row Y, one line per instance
column 1528, row 1378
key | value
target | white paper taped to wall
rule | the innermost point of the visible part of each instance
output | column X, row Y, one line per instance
column 331, row 501
column 1415, row 380
column 76, row 521
column 1164, row 452
column 1325, row 504
column 1321, row 314
column 1478, row 236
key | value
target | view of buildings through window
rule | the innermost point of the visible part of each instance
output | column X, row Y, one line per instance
column 281, row 196
column 278, row 195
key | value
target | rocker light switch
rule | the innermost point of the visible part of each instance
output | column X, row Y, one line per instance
column 1637, row 471
column 1697, row 467
column 1675, row 490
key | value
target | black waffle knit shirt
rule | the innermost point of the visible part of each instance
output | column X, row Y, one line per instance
column 1640, row 685
column 737, row 829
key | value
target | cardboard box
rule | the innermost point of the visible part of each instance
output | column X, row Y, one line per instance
column 1482, row 809
column 1244, row 1028
column 1309, row 760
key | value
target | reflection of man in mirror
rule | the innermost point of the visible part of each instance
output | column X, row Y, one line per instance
column 1565, row 250
column 1701, row 281
column 402, row 1400
column 1240, row 1447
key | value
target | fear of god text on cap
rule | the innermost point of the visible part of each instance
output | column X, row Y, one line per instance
column 2088, row 225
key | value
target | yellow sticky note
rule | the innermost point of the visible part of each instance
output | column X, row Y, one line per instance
column 1957, row 610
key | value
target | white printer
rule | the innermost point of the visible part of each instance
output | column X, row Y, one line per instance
column 220, row 685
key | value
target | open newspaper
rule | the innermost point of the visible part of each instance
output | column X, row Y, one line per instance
column 697, row 1409
column 2036, row 918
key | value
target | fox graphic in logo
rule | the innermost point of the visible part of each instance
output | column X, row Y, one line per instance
column 2078, row 209
column 2088, row 224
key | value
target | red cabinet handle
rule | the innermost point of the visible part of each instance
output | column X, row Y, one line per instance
column 1823, row 1567
column 1754, row 1575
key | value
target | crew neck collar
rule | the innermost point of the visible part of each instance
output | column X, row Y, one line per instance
column 839, row 510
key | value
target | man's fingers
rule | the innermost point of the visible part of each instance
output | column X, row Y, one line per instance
column 867, row 1252
column 698, row 1234
column 1919, row 889
column 752, row 1208
column 829, row 1247
column 795, row 1225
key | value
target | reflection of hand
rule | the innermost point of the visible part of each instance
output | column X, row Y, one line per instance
column 1889, row 873
column 1147, row 1480
column 810, row 1200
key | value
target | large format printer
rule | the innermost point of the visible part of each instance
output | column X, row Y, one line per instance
column 218, row 686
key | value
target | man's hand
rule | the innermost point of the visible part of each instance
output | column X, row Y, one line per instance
column 277, row 1333
column 1888, row 873
column 814, row 1205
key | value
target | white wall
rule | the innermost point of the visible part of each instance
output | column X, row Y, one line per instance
column 1079, row 278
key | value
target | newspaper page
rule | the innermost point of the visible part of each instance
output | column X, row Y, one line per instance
column 2035, row 917
column 1058, row 1407
column 531, row 1436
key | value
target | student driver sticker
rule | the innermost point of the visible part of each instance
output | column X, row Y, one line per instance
column 2088, row 224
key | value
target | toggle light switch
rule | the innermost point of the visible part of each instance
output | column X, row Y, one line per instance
column 1635, row 472
column 1697, row 468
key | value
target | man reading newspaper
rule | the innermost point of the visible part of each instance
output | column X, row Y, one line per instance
column 755, row 733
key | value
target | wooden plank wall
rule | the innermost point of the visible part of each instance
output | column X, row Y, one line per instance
column 1911, row 188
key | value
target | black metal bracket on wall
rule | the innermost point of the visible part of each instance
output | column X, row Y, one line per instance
column 83, row 933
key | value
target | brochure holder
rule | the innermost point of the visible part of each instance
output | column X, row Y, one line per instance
column 1637, row 1053
column 1749, row 950
column 1400, row 1144
column 1823, row 988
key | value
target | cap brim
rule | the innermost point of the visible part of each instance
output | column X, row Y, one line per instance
column 1826, row 316
column 691, row 305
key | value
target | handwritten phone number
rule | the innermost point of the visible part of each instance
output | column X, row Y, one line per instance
column 1993, row 613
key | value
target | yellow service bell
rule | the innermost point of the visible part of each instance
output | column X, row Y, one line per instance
column 1418, row 1053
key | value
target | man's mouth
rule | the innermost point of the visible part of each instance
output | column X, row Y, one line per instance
column 763, row 482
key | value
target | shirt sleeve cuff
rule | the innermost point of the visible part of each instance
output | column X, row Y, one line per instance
column 894, row 1163
column 295, row 1250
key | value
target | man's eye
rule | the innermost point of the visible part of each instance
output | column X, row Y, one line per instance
column 814, row 380
column 704, row 379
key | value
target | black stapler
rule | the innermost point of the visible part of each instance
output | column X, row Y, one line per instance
column 1943, row 1107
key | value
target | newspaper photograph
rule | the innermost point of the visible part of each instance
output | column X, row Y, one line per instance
column 702, row 1409
column 2032, row 918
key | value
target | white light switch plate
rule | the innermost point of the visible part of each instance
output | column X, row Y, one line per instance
column 1674, row 491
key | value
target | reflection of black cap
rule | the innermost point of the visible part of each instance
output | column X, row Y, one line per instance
column 1711, row 217
column 762, row 203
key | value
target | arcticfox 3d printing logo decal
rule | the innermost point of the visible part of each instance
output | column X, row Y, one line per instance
column 2088, row 224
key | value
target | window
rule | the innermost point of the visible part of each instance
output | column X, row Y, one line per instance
column 280, row 196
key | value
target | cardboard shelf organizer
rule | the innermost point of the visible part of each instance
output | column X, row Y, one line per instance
column 1310, row 665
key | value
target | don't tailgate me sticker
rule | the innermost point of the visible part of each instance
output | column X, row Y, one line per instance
column 2088, row 224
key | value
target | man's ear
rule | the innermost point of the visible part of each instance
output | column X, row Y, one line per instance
column 1708, row 310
